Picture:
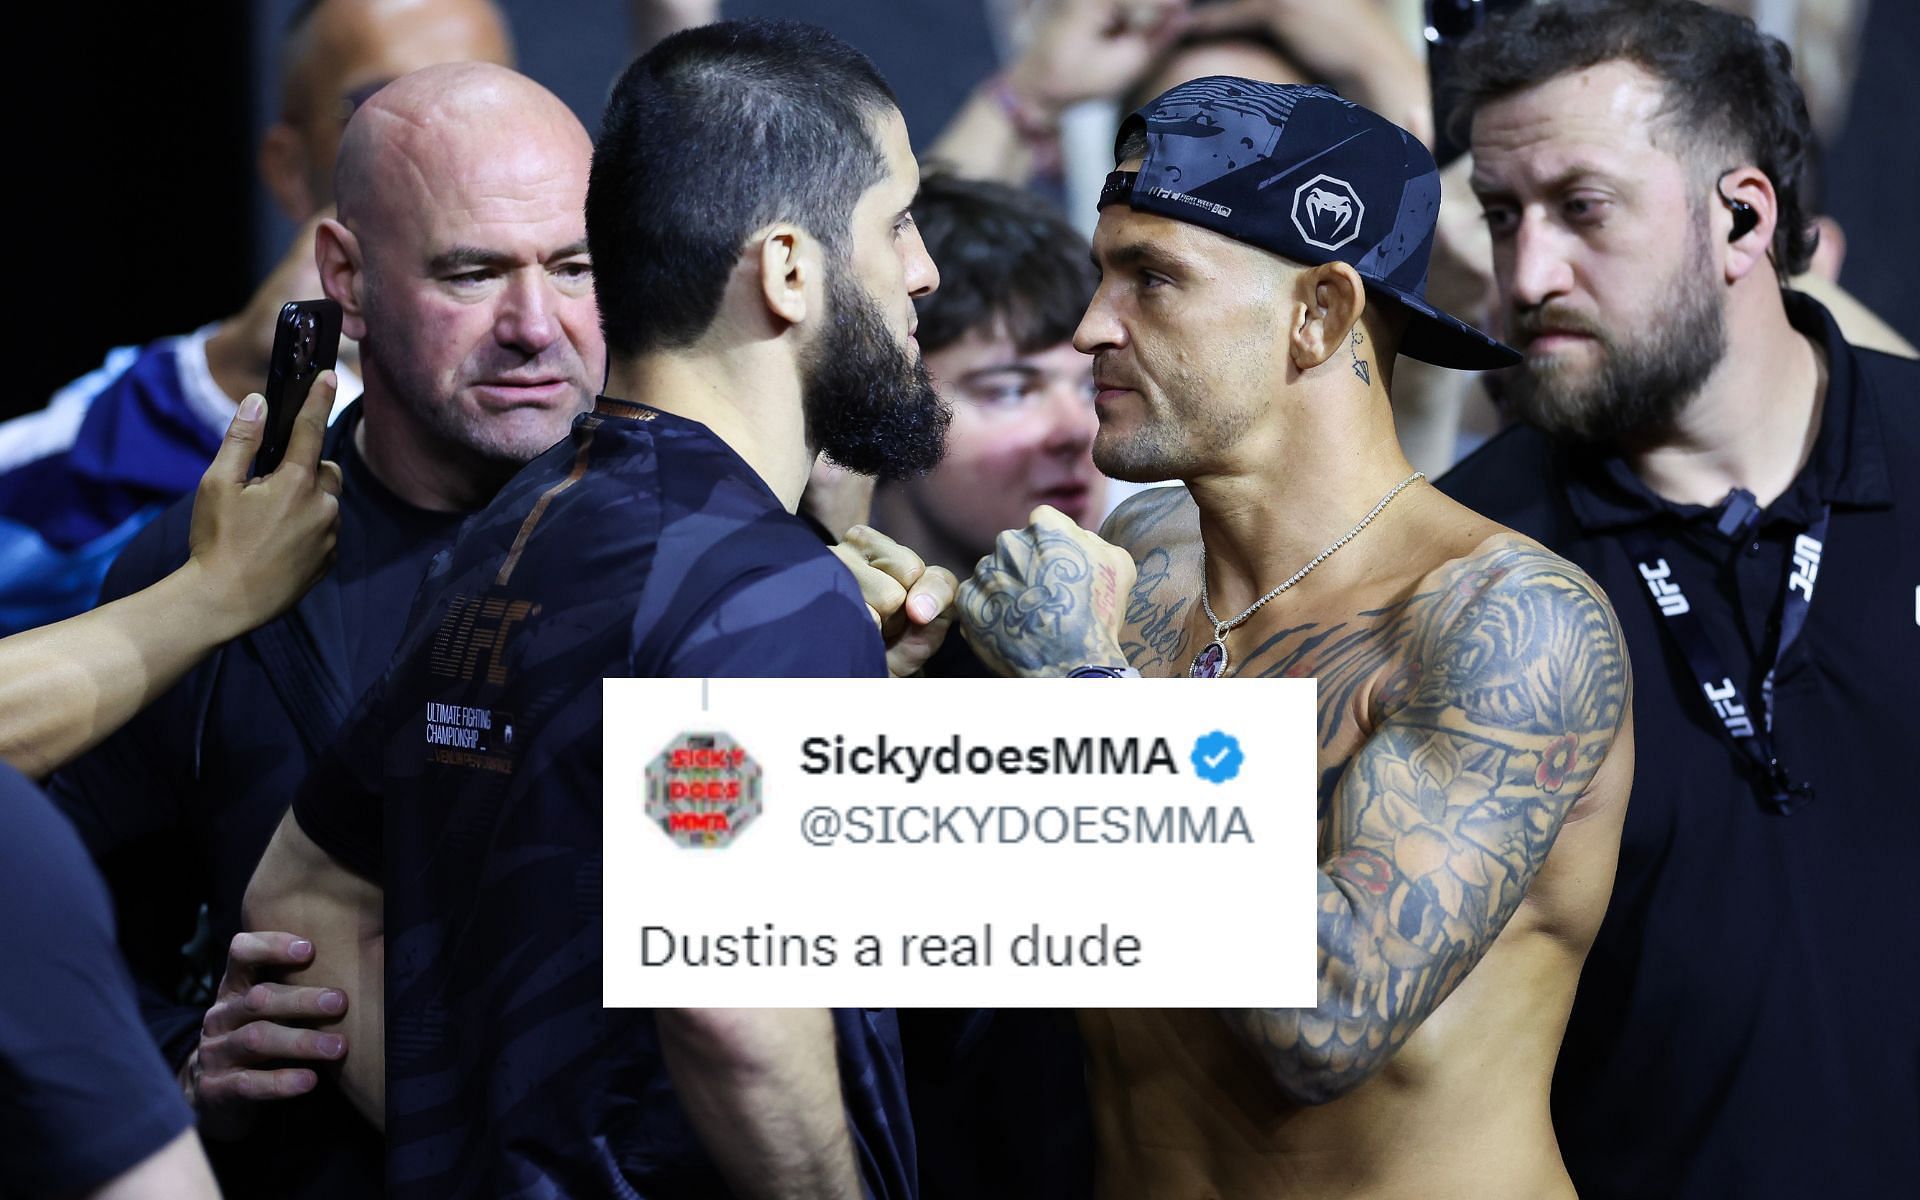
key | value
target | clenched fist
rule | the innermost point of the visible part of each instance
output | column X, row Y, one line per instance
column 1051, row 597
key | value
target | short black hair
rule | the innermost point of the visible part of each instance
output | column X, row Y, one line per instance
column 713, row 134
column 1730, row 88
column 1007, row 258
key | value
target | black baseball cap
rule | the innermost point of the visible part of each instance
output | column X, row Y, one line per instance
column 1301, row 172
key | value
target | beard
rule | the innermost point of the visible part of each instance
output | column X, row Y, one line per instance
column 1175, row 435
column 869, row 403
column 1640, row 386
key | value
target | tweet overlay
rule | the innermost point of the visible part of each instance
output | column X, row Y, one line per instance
column 966, row 843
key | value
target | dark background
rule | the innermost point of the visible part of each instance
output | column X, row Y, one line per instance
column 136, row 127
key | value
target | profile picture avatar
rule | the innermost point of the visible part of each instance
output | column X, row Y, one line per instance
column 703, row 789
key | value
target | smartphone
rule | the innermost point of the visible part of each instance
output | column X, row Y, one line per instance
column 1450, row 22
column 306, row 340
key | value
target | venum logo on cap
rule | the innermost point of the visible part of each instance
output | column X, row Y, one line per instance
column 1327, row 212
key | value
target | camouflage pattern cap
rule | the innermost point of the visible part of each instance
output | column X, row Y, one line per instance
column 1309, row 176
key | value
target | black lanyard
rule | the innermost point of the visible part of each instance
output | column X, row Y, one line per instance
column 1723, row 695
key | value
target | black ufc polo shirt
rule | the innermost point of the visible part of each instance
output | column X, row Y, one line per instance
column 1748, row 1021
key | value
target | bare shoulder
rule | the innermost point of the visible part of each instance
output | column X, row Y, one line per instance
column 1525, row 641
column 1155, row 517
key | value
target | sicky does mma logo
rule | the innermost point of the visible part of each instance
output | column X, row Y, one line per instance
column 1327, row 212
column 703, row 789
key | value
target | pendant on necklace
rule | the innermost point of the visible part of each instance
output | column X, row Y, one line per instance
column 1211, row 662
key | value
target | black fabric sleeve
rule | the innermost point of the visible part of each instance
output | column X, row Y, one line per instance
column 339, row 805
column 803, row 620
column 342, row 817
column 83, row 1093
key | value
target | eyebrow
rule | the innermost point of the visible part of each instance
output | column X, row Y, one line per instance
column 467, row 258
column 1558, row 183
column 1140, row 254
column 1026, row 370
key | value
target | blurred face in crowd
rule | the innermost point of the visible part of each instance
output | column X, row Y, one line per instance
column 1022, row 436
column 475, row 304
column 869, row 404
column 1188, row 351
column 1247, row 58
column 1608, row 277
column 346, row 51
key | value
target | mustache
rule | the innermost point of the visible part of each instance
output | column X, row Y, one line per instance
column 1529, row 323
column 1106, row 370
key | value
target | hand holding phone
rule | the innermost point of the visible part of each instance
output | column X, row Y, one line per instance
column 306, row 340
column 256, row 545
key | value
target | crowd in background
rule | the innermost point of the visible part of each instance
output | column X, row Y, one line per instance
column 1011, row 159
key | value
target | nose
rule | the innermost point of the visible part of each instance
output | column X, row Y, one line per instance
column 1071, row 421
column 1535, row 267
column 526, row 318
column 1099, row 327
column 922, row 276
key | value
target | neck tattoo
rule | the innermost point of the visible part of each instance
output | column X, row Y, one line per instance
column 1211, row 662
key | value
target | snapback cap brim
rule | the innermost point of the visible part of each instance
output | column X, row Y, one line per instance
column 1436, row 337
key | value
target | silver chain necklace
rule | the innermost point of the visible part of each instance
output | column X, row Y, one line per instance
column 1211, row 662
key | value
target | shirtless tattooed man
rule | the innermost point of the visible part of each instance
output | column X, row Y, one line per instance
column 1263, row 255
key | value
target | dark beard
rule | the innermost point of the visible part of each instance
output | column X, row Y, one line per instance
column 870, row 405
column 1642, row 386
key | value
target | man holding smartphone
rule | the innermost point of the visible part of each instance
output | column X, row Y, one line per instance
column 81, row 477
column 757, row 262
column 462, row 270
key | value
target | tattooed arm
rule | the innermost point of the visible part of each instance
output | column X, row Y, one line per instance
column 1447, row 812
column 1047, row 600
column 1152, row 527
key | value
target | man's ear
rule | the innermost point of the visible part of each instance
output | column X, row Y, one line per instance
column 336, row 252
column 1327, row 303
column 1830, row 251
column 1749, row 186
column 788, row 262
column 283, row 168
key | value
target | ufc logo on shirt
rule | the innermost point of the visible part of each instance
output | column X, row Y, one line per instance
column 474, row 629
